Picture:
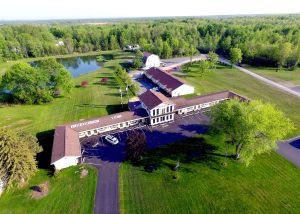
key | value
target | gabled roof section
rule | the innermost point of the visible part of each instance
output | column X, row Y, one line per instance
column 66, row 143
column 152, row 99
column 183, row 103
column 145, row 57
column 170, row 82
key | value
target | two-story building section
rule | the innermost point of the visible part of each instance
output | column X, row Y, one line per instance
column 159, row 108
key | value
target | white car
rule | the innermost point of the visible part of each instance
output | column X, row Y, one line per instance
column 111, row 139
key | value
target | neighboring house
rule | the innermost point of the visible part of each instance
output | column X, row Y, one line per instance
column 173, row 86
column 151, row 108
column 150, row 60
column 60, row 43
column 132, row 47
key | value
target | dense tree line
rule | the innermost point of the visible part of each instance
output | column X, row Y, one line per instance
column 271, row 40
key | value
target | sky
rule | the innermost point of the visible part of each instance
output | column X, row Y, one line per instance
column 79, row 9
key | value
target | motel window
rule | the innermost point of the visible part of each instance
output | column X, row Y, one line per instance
column 167, row 109
column 153, row 112
column 167, row 117
column 153, row 121
column 157, row 119
column 171, row 108
column 171, row 116
column 157, row 111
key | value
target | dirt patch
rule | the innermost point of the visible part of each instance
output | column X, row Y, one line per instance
column 40, row 191
column 84, row 172
column 23, row 122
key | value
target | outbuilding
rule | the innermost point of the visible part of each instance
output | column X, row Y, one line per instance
column 150, row 60
column 173, row 86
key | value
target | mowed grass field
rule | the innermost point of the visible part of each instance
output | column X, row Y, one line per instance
column 285, row 77
column 68, row 193
column 227, row 78
column 83, row 103
column 208, row 182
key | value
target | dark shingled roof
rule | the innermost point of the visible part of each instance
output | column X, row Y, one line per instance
column 151, row 99
column 182, row 102
column 108, row 120
column 164, row 78
column 65, row 143
column 146, row 55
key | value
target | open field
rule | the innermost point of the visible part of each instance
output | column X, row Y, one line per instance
column 94, row 100
column 208, row 182
column 285, row 77
column 68, row 193
column 226, row 78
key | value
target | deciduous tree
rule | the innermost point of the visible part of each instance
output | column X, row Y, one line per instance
column 135, row 145
column 17, row 156
column 137, row 62
column 236, row 55
column 253, row 128
column 213, row 59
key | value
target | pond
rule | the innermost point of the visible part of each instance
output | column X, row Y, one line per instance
column 80, row 65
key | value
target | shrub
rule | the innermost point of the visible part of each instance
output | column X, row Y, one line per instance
column 84, row 83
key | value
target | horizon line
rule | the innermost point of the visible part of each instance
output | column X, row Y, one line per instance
column 147, row 17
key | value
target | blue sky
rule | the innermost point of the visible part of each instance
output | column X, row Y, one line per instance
column 72, row 9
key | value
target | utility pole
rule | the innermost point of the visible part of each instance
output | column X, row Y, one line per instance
column 127, row 92
column 120, row 90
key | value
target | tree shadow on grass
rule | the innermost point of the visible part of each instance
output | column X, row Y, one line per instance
column 189, row 150
column 45, row 140
column 111, row 109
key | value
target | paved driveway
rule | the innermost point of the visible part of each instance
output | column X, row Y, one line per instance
column 265, row 80
column 291, row 150
column 107, row 158
column 176, row 62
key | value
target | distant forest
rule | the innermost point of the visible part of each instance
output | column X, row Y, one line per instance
column 264, row 40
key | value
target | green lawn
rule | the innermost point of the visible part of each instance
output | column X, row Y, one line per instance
column 269, row 185
column 206, row 184
column 68, row 193
column 226, row 78
column 84, row 103
column 284, row 77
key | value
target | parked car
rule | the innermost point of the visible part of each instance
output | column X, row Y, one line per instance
column 155, row 89
column 163, row 64
column 111, row 139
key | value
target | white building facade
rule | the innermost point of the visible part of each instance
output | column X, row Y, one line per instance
column 154, row 108
column 150, row 60
column 173, row 86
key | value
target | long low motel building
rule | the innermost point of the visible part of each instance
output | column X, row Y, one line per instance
column 152, row 108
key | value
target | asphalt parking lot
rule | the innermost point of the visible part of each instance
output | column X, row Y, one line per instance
column 97, row 147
